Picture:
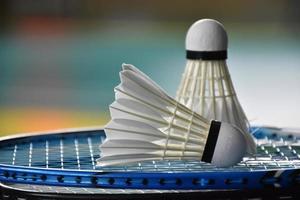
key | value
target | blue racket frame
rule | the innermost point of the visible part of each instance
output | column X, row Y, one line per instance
column 71, row 161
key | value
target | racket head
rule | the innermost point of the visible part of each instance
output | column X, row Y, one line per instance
column 67, row 158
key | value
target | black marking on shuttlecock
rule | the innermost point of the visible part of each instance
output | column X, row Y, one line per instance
column 206, row 55
column 211, row 141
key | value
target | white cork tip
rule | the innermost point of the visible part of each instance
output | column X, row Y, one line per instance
column 206, row 35
column 231, row 146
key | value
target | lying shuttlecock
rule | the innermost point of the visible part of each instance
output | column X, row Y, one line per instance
column 147, row 124
column 206, row 86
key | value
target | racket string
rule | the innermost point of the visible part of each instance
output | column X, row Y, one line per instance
column 61, row 145
column 89, row 140
column 14, row 154
column 30, row 155
column 47, row 154
column 77, row 153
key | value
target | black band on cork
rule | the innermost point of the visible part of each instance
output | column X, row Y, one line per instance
column 211, row 141
column 206, row 55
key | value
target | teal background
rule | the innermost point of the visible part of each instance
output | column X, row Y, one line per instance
column 66, row 59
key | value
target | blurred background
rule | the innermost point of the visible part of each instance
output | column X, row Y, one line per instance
column 59, row 59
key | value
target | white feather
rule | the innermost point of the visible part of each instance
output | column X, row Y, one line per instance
column 147, row 124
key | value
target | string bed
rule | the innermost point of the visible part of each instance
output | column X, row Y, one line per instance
column 79, row 151
column 71, row 151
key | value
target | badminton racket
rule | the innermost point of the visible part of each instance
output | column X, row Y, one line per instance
column 66, row 159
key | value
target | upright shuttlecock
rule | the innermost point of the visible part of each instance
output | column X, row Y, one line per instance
column 147, row 124
column 206, row 86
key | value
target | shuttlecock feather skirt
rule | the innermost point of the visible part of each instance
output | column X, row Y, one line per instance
column 207, row 89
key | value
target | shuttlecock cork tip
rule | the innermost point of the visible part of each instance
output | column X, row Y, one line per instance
column 206, row 39
column 225, row 145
